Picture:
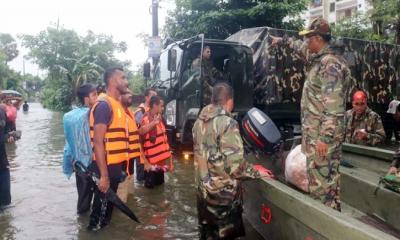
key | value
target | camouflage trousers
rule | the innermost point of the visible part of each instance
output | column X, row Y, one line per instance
column 219, row 222
column 324, row 175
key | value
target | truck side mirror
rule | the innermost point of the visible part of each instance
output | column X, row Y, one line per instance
column 172, row 60
column 146, row 70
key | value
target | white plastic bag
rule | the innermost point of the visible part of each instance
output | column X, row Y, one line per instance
column 296, row 169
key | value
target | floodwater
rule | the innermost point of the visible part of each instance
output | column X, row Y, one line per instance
column 44, row 201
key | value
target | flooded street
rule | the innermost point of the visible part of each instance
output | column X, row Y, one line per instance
column 44, row 201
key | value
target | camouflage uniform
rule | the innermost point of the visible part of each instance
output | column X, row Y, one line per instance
column 370, row 121
column 220, row 166
column 210, row 76
column 323, row 110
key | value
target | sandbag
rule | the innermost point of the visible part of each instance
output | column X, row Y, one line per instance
column 296, row 169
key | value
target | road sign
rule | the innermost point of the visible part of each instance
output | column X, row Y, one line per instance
column 154, row 47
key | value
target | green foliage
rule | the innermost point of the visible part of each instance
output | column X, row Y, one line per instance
column 219, row 19
column 386, row 15
column 358, row 26
column 70, row 60
column 137, row 83
column 8, row 46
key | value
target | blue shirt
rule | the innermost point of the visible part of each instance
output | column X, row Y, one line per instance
column 77, row 139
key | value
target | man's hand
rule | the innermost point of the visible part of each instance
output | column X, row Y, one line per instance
column 104, row 184
column 264, row 173
column 155, row 121
column 321, row 149
column 392, row 170
column 147, row 166
column 10, row 139
column 361, row 134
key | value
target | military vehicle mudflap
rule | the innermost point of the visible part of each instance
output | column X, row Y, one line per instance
column 277, row 211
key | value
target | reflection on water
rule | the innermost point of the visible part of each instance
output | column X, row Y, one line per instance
column 44, row 201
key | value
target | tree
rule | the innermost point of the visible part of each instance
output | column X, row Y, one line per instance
column 8, row 46
column 358, row 26
column 70, row 60
column 386, row 16
column 219, row 19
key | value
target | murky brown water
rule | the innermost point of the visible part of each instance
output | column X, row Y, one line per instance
column 44, row 201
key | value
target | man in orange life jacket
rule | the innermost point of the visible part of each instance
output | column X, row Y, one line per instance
column 155, row 144
column 108, row 131
column 140, row 111
column 134, row 143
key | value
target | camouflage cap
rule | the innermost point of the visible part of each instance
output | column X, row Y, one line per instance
column 318, row 26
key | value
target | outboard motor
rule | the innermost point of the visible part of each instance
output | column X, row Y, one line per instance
column 260, row 132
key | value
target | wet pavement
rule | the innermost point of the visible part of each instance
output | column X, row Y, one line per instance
column 44, row 201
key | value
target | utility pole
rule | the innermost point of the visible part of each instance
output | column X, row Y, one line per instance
column 154, row 14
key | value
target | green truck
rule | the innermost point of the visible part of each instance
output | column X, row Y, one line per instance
column 271, row 79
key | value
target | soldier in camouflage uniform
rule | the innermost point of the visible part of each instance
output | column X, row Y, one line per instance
column 220, row 167
column 323, row 109
column 210, row 74
column 363, row 126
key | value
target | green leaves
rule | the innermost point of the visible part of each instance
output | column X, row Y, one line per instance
column 219, row 19
column 70, row 61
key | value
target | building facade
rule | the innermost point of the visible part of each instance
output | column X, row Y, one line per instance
column 335, row 10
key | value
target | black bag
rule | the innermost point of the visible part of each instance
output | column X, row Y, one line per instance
column 153, row 178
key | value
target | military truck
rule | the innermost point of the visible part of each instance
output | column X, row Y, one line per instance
column 270, row 79
column 179, row 83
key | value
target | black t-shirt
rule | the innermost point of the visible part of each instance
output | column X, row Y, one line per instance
column 3, row 156
column 102, row 115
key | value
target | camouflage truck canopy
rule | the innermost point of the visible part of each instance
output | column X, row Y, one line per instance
column 279, row 72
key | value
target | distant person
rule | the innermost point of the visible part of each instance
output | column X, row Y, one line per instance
column 140, row 111
column 210, row 74
column 392, row 126
column 155, row 144
column 5, row 184
column 77, row 145
column 25, row 107
column 394, row 108
column 363, row 126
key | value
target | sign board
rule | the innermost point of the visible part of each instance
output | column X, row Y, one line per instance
column 154, row 45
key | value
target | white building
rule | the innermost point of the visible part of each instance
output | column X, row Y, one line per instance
column 335, row 10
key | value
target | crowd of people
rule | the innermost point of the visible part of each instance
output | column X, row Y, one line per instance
column 109, row 139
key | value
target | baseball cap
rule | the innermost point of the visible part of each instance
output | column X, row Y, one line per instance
column 393, row 106
column 318, row 26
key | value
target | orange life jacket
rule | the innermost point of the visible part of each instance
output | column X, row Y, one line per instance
column 157, row 150
column 141, row 108
column 134, row 150
column 116, row 140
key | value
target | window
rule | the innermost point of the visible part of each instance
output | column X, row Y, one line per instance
column 332, row 7
column 347, row 13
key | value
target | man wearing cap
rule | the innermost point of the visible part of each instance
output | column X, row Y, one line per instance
column 363, row 126
column 322, row 112
column 394, row 108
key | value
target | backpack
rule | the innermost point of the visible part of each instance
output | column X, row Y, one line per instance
column 78, row 146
